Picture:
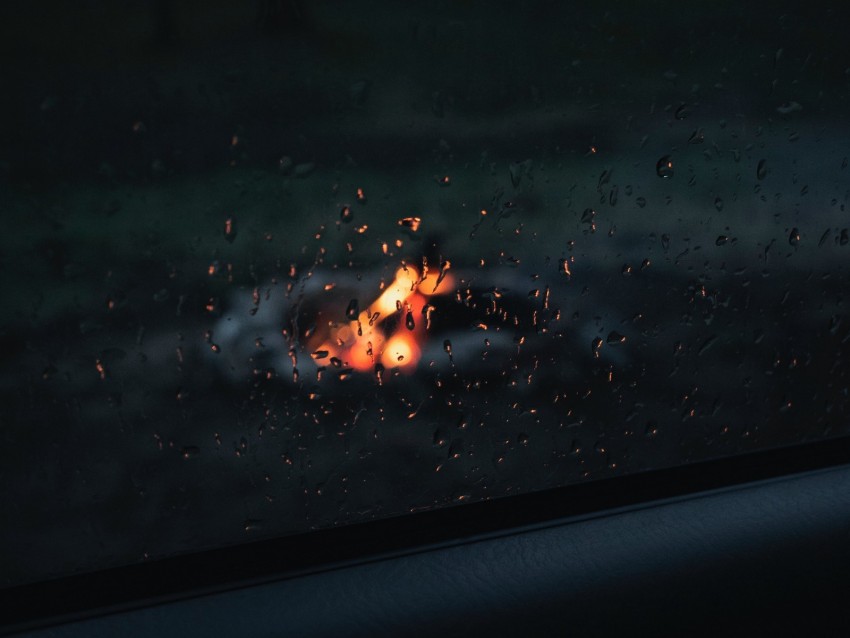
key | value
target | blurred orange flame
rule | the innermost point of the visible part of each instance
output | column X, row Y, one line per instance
column 362, row 343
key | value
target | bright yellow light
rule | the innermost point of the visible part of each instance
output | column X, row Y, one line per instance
column 365, row 352
column 397, row 292
column 401, row 350
column 429, row 284
column 362, row 343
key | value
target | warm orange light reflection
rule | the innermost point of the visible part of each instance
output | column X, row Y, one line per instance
column 401, row 350
column 362, row 343
column 365, row 351
column 429, row 285
column 398, row 291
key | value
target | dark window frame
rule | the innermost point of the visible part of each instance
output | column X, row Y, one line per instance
column 185, row 576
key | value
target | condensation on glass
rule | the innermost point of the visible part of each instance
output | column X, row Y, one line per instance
column 273, row 267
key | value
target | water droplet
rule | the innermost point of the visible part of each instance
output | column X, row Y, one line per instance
column 794, row 237
column 518, row 170
column 353, row 310
column 427, row 311
column 664, row 167
column 682, row 112
column 444, row 268
column 615, row 338
column 721, row 239
column 441, row 438
column 230, row 229
column 588, row 217
column 641, row 202
column 595, row 346
column 252, row 525
column 788, row 108
column 346, row 215
column 515, row 170
column 190, row 451
column 319, row 354
column 718, row 204
column 844, row 237
column 834, row 324
column 697, row 137
column 409, row 322
column 665, row 241
column 613, row 196
column 710, row 341
column 411, row 223
column 761, row 170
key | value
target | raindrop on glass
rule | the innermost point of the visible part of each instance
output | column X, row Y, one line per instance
column 664, row 167
column 697, row 137
column 230, row 229
column 353, row 310
column 615, row 338
column 595, row 346
column 794, row 237
column 588, row 217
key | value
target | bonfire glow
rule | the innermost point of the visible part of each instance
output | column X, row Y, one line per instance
column 401, row 350
column 399, row 290
column 362, row 343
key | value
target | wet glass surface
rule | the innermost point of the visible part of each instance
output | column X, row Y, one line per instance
column 270, row 267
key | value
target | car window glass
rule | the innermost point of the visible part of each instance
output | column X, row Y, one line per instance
column 270, row 267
